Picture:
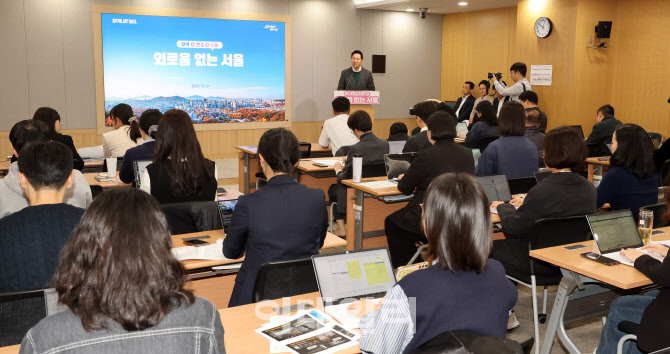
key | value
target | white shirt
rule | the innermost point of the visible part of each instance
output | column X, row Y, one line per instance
column 500, row 104
column 359, row 69
column 336, row 133
column 462, row 102
column 424, row 129
column 513, row 91
column 115, row 143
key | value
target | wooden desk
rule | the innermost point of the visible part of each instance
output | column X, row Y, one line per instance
column 94, row 164
column 574, row 286
column 593, row 161
column 4, row 165
column 315, row 176
column 247, row 169
column 90, row 178
column 240, row 322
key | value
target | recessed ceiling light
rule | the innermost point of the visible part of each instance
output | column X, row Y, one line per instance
column 462, row 3
column 410, row 10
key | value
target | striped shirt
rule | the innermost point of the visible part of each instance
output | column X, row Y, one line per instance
column 390, row 329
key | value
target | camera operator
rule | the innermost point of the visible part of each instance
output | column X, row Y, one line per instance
column 518, row 73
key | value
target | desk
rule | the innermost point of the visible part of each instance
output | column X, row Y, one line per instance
column 240, row 322
column 94, row 164
column 4, row 166
column 247, row 169
column 315, row 176
column 575, row 268
column 592, row 162
column 90, row 178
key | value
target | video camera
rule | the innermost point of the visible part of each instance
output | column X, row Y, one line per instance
column 498, row 75
column 412, row 112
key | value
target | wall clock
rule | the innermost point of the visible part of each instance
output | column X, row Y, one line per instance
column 543, row 27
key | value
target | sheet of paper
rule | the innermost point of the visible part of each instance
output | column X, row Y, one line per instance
column 540, row 75
column 213, row 252
column 378, row 184
column 328, row 163
column 253, row 149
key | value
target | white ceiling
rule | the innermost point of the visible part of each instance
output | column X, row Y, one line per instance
column 433, row 6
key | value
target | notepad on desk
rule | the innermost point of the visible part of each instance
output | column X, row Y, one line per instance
column 378, row 184
column 213, row 252
column 326, row 163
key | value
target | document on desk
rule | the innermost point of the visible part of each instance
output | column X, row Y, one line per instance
column 325, row 163
column 308, row 332
column 252, row 148
column 213, row 252
column 378, row 184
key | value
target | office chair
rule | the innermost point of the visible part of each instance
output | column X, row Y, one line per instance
column 19, row 312
column 466, row 342
column 305, row 151
column 189, row 217
column 521, row 185
column 483, row 142
column 548, row 232
column 422, row 248
column 279, row 279
column 659, row 210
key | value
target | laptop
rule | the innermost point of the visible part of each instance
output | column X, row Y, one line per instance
column 397, row 164
column 139, row 166
column 614, row 231
column 539, row 176
column 609, row 147
column 349, row 276
column 496, row 188
column 395, row 147
column 226, row 208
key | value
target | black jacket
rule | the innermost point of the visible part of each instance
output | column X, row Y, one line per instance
column 373, row 150
column 654, row 332
column 464, row 113
column 417, row 142
column 601, row 135
column 77, row 161
column 347, row 81
column 661, row 155
column 284, row 220
column 445, row 156
column 559, row 195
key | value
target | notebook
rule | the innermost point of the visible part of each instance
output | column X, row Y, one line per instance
column 496, row 188
column 614, row 231
column 397, row 164
column 139, row 166
column 349, row 276
column 226, row 208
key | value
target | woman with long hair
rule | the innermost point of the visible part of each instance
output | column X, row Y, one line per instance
column 126, row 133
column 148, row 126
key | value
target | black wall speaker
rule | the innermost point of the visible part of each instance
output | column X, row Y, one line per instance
column 378, row 63
column 604, row 29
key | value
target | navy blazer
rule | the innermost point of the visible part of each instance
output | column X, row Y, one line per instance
column 464, row 112
column 138, row 153
column 282, row 221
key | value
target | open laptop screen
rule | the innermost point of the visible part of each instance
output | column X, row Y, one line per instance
column 226, row 208
column 614, row 230
column 496, row 188
column 397, row 164
column 354, row 273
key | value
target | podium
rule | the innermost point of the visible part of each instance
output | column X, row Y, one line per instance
column 361, row 100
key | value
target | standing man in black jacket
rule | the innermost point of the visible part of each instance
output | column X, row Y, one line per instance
column 465, row 104
column 356, row 78
column 602, row 132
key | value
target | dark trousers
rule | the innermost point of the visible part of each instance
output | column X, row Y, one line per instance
column 338, row 192
column 402, row 243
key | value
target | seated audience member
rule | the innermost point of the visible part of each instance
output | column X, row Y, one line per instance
column 486, row 124
column 661, row 155
column 533, row 132
column 631, row 181
column 499, row 100
column 147, row 129
column 31, row 238
column 12, row 196
column 282, row 221
column 564, row 193
column 649, row 310
column 372, row 149
column 601, row 135
column 52, row 119
column 180, row 172
column 123, row 287
column 335, row 132
column 465, row 104
column 415, row 131
column 419, row 141
column 512, row 154
column 454, row 292
column 529, row 101
column 116, row 142
column 403, row 227
column 484, row 87
column 518, row 74
column 398, row 132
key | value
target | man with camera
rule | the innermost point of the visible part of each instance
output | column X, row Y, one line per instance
column 518, row 73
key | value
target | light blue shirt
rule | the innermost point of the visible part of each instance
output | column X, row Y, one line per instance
column 390, row 329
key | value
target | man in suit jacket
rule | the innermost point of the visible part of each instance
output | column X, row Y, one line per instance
column 418, row 142
column 403, row 227
column 373, row 150
column 356, row 78
column 529, row 101
column 465, row 104
column 602, row 132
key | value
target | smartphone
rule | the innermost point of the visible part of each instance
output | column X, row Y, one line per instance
column 657, row 232
column 196, row 243
column 220, row 191
column 600, row 259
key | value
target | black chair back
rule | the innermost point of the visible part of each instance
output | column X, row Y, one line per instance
column 279, row 279
column 552, row 232
column 305, row 150
column 189, row 217
column 483, row 142
column 19, row 312
column 468, row 342
column 521, row 185
column 373, row 170
column 578, row 129
column 659, row 210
